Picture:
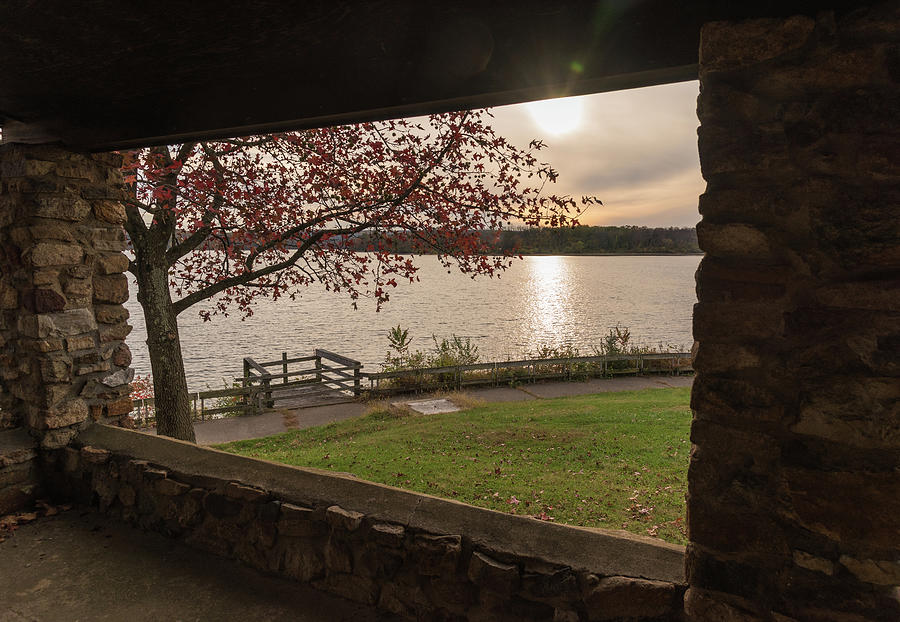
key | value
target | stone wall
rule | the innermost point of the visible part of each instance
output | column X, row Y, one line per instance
column 63, row 360
column 412, row 555
column 794, row 493
column 20, row 473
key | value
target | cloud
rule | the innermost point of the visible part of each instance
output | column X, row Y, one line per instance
column 636, row 150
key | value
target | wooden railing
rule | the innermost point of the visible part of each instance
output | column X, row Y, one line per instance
column 329, row 371
column 236, row 401
column 328, row 374
column 322, row 374
column 526, row 370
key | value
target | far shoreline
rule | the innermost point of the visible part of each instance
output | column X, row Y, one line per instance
column 611, row 254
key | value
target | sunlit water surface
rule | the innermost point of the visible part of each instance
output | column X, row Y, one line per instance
column 539, row 301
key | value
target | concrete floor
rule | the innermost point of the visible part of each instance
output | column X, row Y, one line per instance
column 276, row 422
column 80, row 566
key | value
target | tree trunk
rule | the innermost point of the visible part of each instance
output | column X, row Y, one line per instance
column 173, row 408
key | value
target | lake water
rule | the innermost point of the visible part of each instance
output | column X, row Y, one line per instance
column 539, row 301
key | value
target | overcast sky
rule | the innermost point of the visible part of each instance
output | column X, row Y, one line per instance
column 636, row 150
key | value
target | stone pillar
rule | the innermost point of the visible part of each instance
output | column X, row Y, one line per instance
column 794, row 483
column 63, row 359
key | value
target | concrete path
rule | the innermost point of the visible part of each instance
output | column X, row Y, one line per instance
column 79, row 565
column 276, row 422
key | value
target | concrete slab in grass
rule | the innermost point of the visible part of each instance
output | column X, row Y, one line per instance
column 430, row 407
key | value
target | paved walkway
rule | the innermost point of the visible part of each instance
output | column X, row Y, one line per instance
column 79, row 565
column 276, row 422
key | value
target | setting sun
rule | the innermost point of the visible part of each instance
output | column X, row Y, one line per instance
column 557, row 116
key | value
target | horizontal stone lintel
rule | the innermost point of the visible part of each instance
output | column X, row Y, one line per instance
column 600, row 551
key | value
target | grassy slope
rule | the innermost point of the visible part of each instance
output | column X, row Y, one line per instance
column 614, row 460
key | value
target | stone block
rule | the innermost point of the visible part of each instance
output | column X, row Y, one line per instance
column 340, row 518
column 56, row 325
column 841, row 69
column 862, row 412
column 706, row 606
column 878, row 572
column 114, row 332
column 246, row 494
column 111, row 314
column 490, row 574
column 625, row 597
column 300, row 559
column 189, row 509
column 45, row 300
column 71, row 459
column 727, row 46
column 453, row 594
column 94, row 455
column 735, row 241
column 68, row 206
column 730, row 322
column 813, row 563
column 13, row 474
column 118, row 378
column 270, row 511
column 26, row 166
column 170, row 488
column 110, row 211
column 9, row 297
column 117, row 246
column 127, row 495
column 719, row 358
column 56, row 369
column 50, row 230
column 733, row 466
column 111, row 263
column 338, row 556
column 81, row 288
column 151, row 474
column 119, row 407
column 81, row 342
column 437, row 555
column 750, row 531
column 45, row 254
column 818, row 501
column 220, row 506
column 121, row 356
column 386, row 534
column 91, row 368
column 554, row 586
column 881, row 295
column 47, row 277
column 730, row 150
column 110, row 288
column 371, row 560
column 296, row 521
column 351, row 587
column 78, row 169
column 55, row 439
column 67, row 413
column 565, row 615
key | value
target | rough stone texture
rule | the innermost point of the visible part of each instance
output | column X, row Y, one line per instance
column 296, row 523
column 58, row 212
column 20, row 480
column 793, row 508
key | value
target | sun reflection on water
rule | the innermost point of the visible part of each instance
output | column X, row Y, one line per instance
column 551, row 316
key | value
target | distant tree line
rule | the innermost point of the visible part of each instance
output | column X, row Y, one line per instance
column 580, row 240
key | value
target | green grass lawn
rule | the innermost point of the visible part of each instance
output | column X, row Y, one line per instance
column 613, row 460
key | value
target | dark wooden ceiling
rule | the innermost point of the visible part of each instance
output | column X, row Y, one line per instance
column 103, row 74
